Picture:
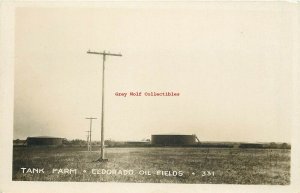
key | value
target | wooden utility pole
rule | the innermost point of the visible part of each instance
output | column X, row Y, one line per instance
column 90, row 132
column 104, row 54
column 88, row 140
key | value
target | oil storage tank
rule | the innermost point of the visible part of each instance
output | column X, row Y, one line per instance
column 44, row 141
column 173, row 140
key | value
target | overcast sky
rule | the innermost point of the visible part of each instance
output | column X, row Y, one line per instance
column 231, row 66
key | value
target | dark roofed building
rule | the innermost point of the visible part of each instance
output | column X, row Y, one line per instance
column 44, row 141
column 173, row 140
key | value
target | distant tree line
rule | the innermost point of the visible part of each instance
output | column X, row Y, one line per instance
column 147, row 143
column 271, row 145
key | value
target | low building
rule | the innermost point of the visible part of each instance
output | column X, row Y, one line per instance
column 44, row 141
column 173, row 140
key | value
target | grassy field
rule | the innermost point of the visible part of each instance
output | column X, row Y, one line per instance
column 179, row 165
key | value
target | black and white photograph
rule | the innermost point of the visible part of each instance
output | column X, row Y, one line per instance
column 154, row 93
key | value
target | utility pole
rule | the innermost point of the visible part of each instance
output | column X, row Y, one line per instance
column 90, row 132
column 104, row 54
column 88, row 140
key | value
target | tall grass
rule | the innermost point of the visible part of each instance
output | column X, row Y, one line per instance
column 229, row 165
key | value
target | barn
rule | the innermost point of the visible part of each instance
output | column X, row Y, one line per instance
column 173, row 140
column 44, row 141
